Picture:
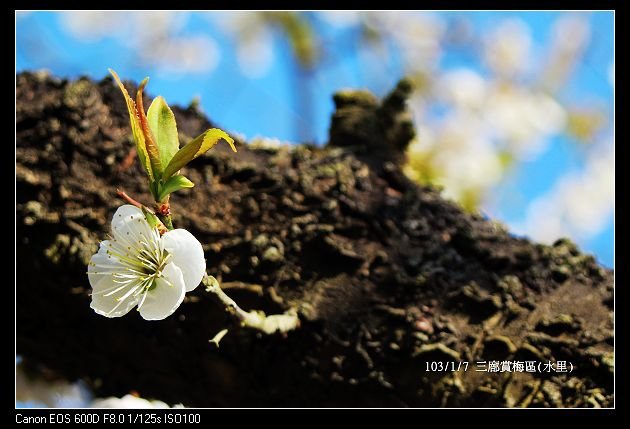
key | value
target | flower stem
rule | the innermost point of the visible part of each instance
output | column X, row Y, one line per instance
column 253, row 319
column 163, row 211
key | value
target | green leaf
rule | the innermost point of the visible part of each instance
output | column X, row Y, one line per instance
column 174, row 183
column 164, row 129
column 195, row 148
column 136, row 127
column 152, row 150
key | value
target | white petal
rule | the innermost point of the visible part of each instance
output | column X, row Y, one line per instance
column 100, row 271
column 186, row 252
column 101, row 264
column 103, row 246
column 166, row 296
column 110, row 306
column 129, row 226
column 124, row 213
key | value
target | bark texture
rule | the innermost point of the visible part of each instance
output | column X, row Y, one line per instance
column 386, row 274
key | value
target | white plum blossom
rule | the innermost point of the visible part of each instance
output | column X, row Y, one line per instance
column 418, row 35
column 340, row 18
column 508, row 48
column 154, row 36
column 50, row 393
column 139, row 267
column 130, row 401
column 463, row 87
column 580, row 204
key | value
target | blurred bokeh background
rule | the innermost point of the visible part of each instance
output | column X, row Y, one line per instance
column 514, row 110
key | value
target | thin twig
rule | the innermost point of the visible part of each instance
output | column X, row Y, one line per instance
column 122, row 194
column 253, row 319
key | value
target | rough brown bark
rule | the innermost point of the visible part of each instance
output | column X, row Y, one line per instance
column 386, row 274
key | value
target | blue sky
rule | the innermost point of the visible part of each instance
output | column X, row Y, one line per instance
column 266, row 105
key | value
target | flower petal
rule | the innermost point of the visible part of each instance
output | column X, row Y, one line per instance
column 166, row 296
column 102, row 265
column 186, row 252
column 105, row 291
column 129, row 226
column 109, row 305
column 123, row 215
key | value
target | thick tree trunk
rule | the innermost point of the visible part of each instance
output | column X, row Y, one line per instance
column 386, row 274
